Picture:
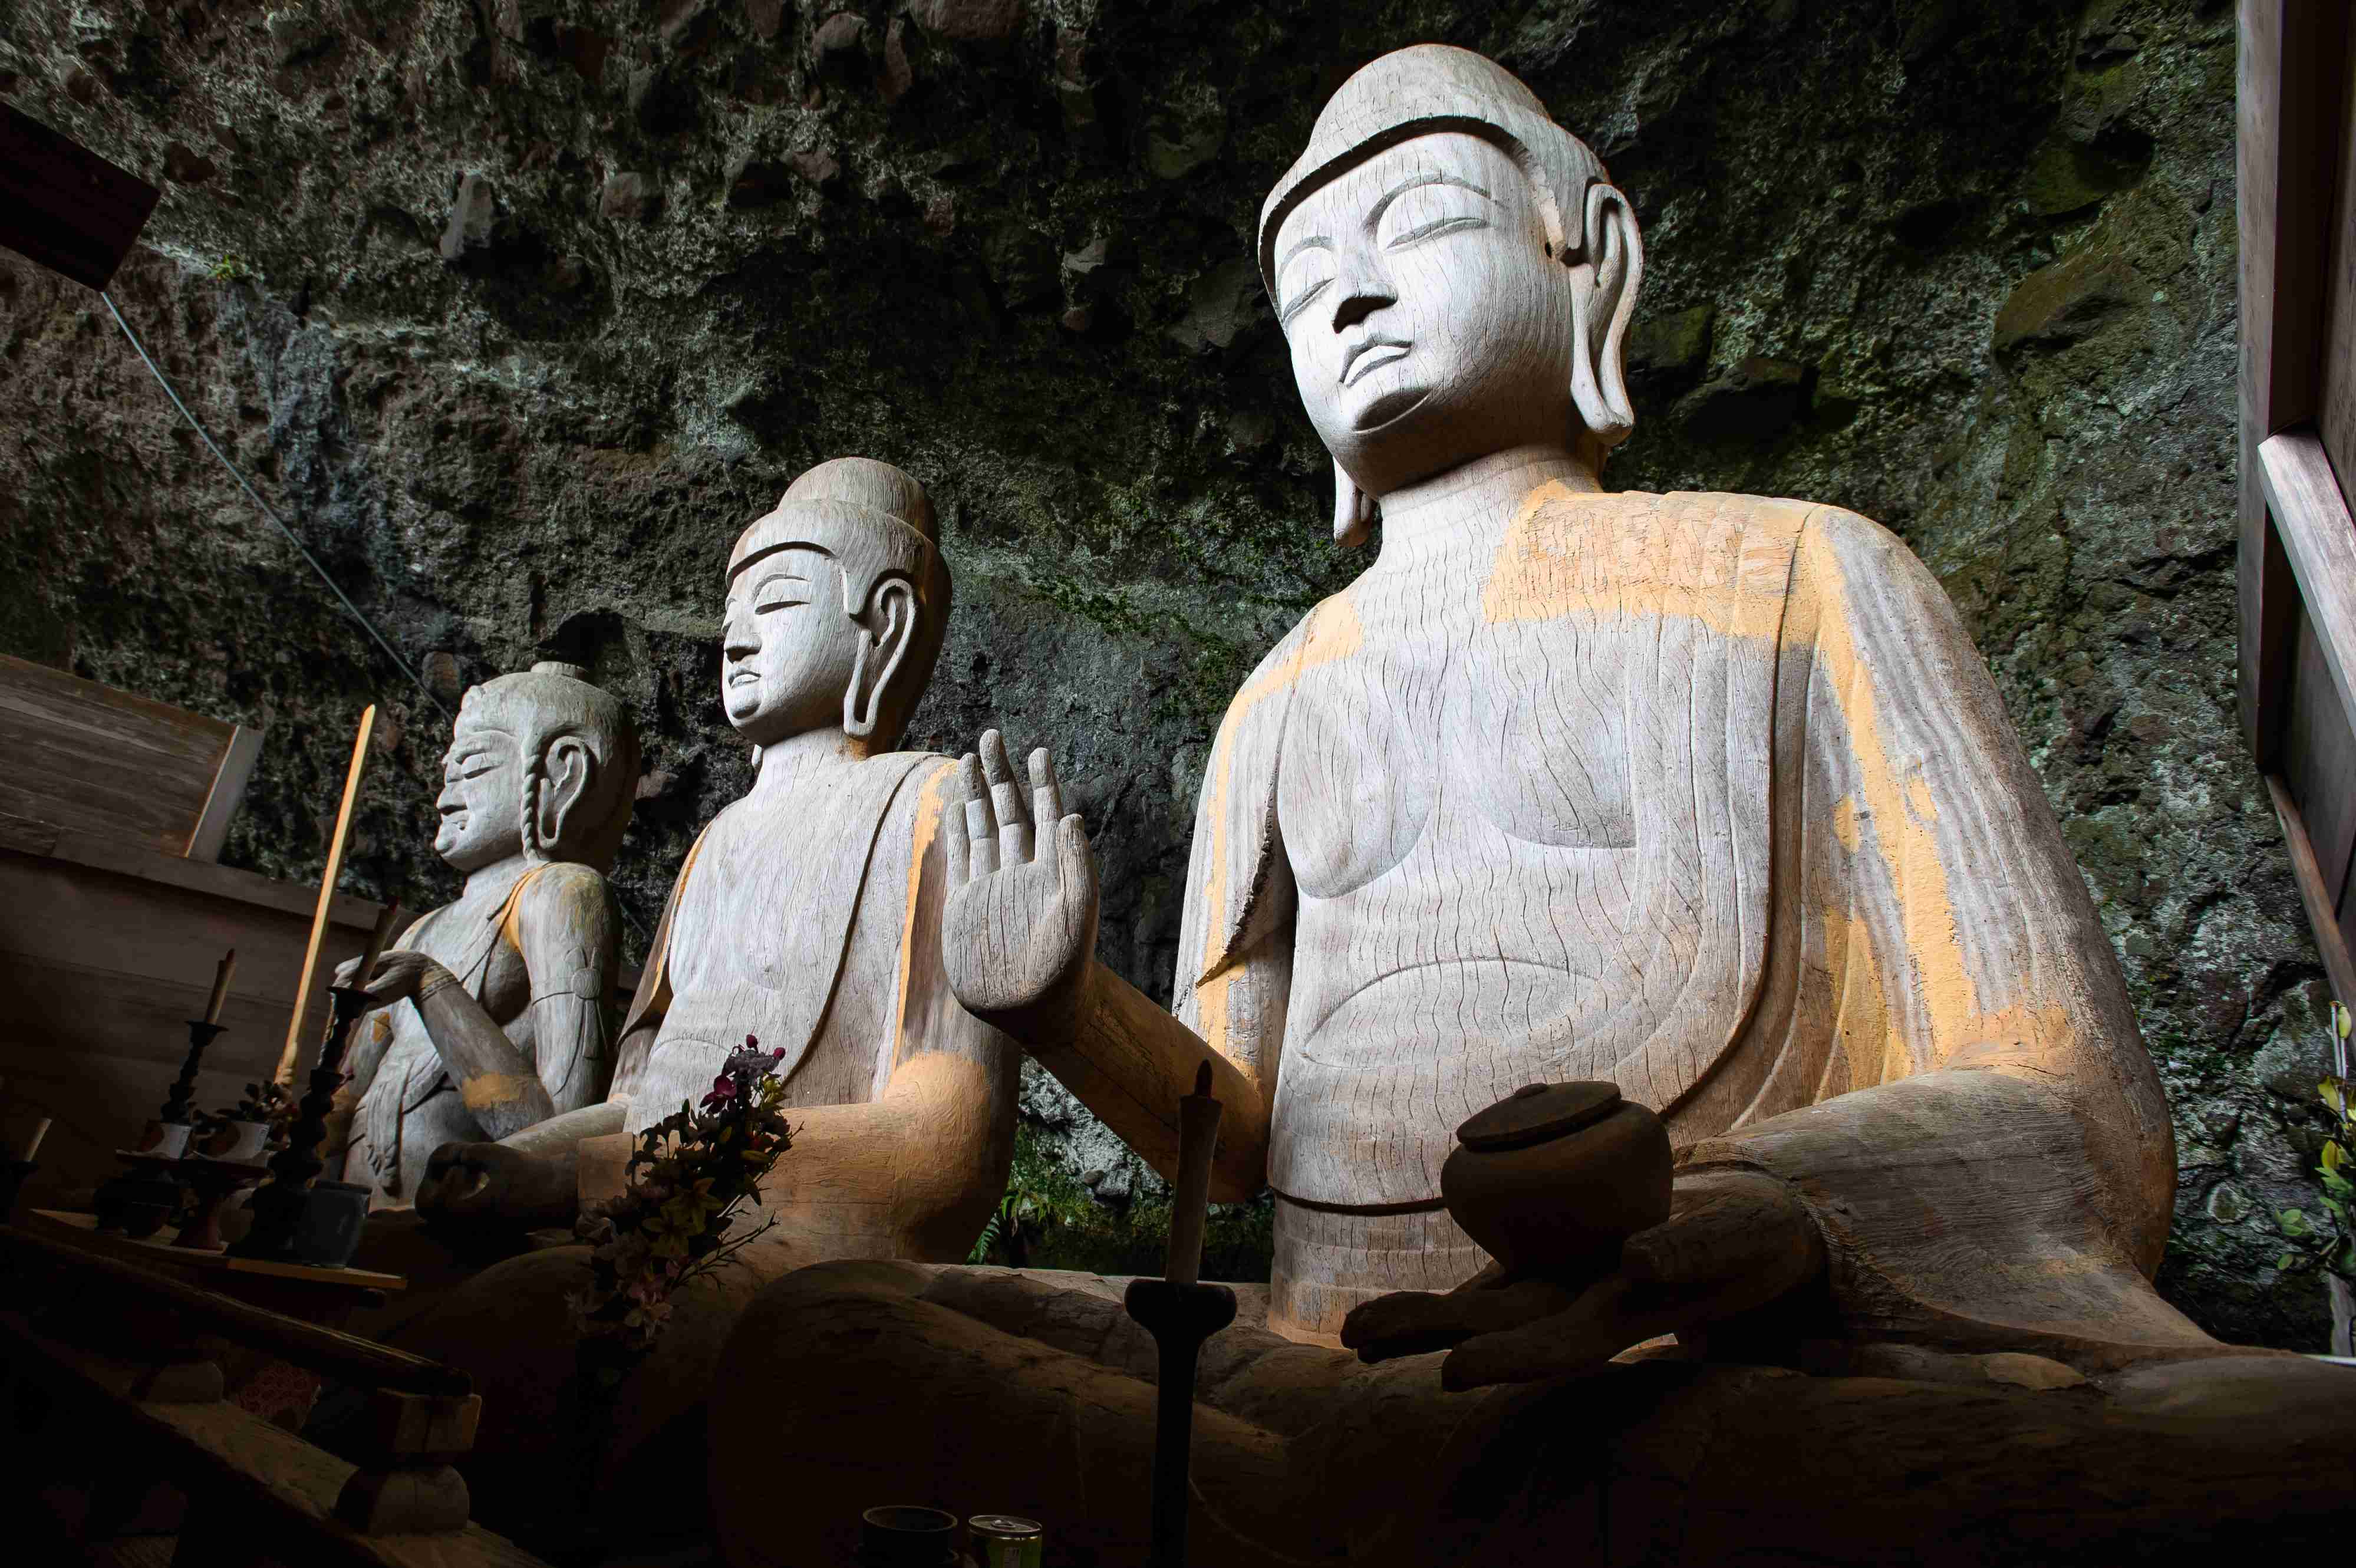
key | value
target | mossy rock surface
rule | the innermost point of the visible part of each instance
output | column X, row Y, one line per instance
column 1979, row 260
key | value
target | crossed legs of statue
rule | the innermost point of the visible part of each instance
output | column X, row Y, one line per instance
column 849, row 1385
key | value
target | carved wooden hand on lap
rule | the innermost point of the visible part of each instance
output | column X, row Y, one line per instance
column 1735, row 1241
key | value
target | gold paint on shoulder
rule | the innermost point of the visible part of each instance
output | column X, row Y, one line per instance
column 1935, row 983
column 1688, row 555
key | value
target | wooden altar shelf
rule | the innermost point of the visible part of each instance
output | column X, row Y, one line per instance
column 159, row 1253
column 137, row 1380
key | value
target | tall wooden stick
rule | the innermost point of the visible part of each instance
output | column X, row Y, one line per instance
column 288, row 1058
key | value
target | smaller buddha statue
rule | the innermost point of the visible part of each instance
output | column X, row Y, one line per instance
column 808, row 916
column 507, row 1020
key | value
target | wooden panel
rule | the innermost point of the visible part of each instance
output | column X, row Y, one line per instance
column 102, row 964
column 2339, row 960
column 2318, row 761
column 64, row 206
column 86, row 756
column 2336, row 414
column 157, row 1252
column 2291, row 59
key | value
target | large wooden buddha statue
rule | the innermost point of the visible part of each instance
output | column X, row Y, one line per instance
column 507, row 1024
column 1706, row 795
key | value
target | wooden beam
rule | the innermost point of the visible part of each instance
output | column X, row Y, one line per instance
column 65, row 206
column 228, row 791
column 2338, row 964
column 278, row 1491
column 2293, row 61
column 2318, row 542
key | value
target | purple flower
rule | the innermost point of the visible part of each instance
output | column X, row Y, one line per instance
column 724, row 1090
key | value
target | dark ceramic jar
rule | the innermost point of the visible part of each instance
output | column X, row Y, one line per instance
column 1551, row 1180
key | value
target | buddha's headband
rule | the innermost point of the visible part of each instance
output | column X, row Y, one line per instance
column 867, row 543
column 1425, row 90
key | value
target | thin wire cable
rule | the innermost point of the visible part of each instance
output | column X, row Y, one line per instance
column 366, row 625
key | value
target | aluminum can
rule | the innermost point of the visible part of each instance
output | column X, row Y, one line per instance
column 1002, row 1541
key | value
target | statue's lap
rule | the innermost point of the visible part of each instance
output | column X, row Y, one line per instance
column 852, row 1384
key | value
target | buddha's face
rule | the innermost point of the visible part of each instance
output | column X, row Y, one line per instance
column 1427, row 323
column 482, row 796
column 789, row 654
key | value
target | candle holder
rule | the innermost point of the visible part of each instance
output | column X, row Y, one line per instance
column 297, row 1218
column 212, row 1181
column 1180, row 1316
column 201, row 1033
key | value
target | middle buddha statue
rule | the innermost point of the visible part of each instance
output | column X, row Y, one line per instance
column 807, row 915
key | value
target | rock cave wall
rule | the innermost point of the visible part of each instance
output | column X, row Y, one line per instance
column 519, row 309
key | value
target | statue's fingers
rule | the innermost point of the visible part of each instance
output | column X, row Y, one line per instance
column 980, row 826
column 1746, row 1227
column 1606, row 1320
column 1075, row 867
column 1006, row 801
column 1046, row 795
column 956, row 848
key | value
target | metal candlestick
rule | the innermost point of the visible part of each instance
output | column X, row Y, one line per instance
column 280, row 1207
column 201, row 1033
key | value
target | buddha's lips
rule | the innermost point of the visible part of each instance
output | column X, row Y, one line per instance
column 1365, row 357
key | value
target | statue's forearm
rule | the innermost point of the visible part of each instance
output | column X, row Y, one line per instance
column 1130, row 1062
column 556, row 1137
column 498, row 1083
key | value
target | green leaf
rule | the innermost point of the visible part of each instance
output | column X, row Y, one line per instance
column 2338, row 1209
column 2293, row 1223
column 2338, row 1186
column 2329, row 1089
column 2287, row 1261
column 2333, row 1154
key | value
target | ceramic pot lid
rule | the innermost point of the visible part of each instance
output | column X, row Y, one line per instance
column 1538, row 1111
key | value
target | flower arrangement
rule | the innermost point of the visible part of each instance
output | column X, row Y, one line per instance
column 691, row 1177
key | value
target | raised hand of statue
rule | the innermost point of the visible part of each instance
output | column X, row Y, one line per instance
column 472, row 1191
column 399, row 975
column 1734, row 1241
column 1021, row 926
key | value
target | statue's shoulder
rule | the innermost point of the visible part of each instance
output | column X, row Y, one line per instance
column 1327, row 632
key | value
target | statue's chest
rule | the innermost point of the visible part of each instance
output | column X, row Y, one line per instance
column 1530, row 733
column 736, row 913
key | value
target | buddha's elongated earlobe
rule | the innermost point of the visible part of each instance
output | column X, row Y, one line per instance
column 883, row 650
column 1354, row 510
column 1604, row 299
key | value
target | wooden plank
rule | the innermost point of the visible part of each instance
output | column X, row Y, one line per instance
column 229, row 788
column 2336, row 412
column 87, row 757
column 2339, row 962
column 2318, row 760
column 2319, row 540
column 157, row 1252
column 2290, row 62
column 281, row 1490
column 64, row 206
column 310, row 1345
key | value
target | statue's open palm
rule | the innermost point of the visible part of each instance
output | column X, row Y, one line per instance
column 1021, row 927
